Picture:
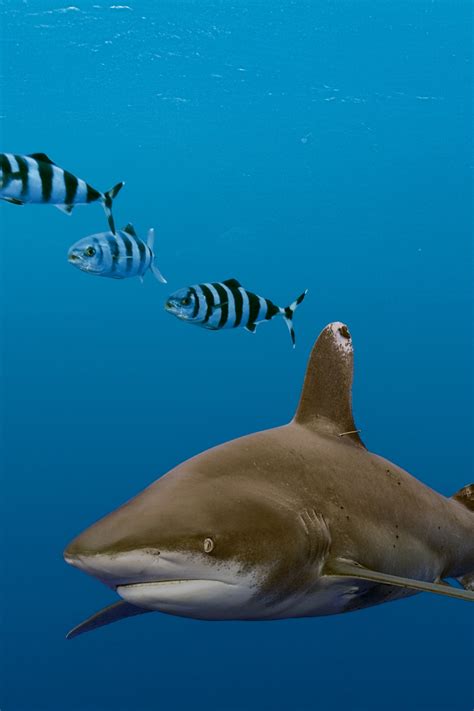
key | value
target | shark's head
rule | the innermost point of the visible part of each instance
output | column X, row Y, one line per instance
column 88, row 255
column 203, row 541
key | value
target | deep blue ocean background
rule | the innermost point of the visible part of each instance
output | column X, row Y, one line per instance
column 289, row 144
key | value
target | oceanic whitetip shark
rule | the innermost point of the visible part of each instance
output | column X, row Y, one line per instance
column 296, row 521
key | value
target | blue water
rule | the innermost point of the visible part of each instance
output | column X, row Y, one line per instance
column 287, row 144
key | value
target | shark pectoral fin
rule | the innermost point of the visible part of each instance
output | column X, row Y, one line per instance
column 326, row 400
column 113, row 613
column 352, row 570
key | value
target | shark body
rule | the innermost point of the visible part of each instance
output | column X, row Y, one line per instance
column 300, row 520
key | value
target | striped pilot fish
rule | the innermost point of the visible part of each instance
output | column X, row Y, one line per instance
column 228, row 305
column 36, row 179
column 118, row 256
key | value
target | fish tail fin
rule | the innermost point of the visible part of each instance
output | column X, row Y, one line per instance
column 109, row 197
column 288, row 313
column 465, row 496
column 150, row 240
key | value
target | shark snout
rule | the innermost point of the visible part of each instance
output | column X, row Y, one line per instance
column 116, row 569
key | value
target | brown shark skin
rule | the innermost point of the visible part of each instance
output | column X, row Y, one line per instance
column 378, row 514
column 364, row 508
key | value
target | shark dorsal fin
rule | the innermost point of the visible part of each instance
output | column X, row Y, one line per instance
column 326, row 400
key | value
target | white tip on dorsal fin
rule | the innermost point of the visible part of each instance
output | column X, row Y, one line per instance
column 326, row 399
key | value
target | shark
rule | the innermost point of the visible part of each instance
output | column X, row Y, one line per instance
column 297, row 521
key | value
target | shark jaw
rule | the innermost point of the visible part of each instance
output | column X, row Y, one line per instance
column 172, row 582
column 203, row 599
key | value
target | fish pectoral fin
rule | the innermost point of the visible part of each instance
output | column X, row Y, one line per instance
column 13, row 201
column 67, row 209
column 113, row 613
column 42, row 157
column 216, row 307
column 353, row 570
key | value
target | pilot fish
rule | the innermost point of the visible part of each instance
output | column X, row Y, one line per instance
column 36, row 179
column 118, row 256
column 227, row 304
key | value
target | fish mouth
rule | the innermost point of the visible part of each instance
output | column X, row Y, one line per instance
column 73, row 258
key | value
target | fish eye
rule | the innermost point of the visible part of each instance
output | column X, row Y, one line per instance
column 208, row 545
column 90, row 251
column 186, row 302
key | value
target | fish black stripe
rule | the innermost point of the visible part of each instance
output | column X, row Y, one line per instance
column 142, row 250
column 209, row 301
column 224, row 300
column 114, row 251
column 129, row 251
column 254, row 307
column 23, row 171
column 92, row 194
column 194, row 293
column 70, row 183
column 239, row 304
column 98, row 248
column 45, row 171
column 6, row 170
column 271, row 309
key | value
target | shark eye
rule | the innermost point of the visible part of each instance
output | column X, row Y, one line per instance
column 208, row 545
column 90, row 251
column 186, row 302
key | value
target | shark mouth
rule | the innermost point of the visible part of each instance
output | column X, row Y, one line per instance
column 169, row 583
column 185, row 595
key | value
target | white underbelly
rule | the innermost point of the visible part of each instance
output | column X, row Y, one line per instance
column 332, row 595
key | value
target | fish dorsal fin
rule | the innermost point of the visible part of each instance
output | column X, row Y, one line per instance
column 326, row 400
column 42, row 157
column 232, row 283
column 130, row 229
